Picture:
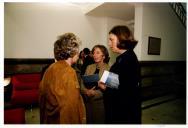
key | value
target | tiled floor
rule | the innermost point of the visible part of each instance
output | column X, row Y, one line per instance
column 171, row 112
column 32, row 116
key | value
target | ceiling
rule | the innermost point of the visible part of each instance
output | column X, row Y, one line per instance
column 120, row 10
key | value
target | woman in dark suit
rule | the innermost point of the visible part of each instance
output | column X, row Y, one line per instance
column 123, row 105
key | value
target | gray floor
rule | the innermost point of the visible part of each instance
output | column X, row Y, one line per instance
column 169, row 112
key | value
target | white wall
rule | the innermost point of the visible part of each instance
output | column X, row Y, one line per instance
column 159, row 20
column 138, row 23
column 32, row 28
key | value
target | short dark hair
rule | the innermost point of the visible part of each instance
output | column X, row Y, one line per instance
column 86, row 51
column 66, row 46
column 104, row 50
column 125, row 37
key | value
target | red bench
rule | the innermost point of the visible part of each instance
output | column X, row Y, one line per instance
column 14, row 116
column 25, row 89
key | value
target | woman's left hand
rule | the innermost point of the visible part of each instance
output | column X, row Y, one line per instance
column 101, row 85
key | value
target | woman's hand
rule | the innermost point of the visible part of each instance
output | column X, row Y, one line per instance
column 90, row 92
column 101, row 85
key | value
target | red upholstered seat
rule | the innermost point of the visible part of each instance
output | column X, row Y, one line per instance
column 26, row 81
column 14, row 116
column 25, row 97
column 25, row 89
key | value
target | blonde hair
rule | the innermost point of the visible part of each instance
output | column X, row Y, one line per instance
column 66, row 46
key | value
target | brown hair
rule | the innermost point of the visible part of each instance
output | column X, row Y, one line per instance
column 104, row 51
column 125, row 37
column 66, row 46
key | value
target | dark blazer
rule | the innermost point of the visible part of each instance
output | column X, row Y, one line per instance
column 123, row 105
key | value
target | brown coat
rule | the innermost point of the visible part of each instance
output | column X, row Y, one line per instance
column 91, row 70
column 94, row 105
column 59, row 96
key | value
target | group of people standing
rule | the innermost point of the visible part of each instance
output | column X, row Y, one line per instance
column 63, row 97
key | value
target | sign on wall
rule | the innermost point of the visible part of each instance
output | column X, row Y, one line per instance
column 154, row 45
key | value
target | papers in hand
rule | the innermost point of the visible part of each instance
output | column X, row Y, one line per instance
column 110, row 79
column 90, row 80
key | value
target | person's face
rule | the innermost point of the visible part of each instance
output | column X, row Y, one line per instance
column 113, row 40
column 98, row 56
column 82, row 54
